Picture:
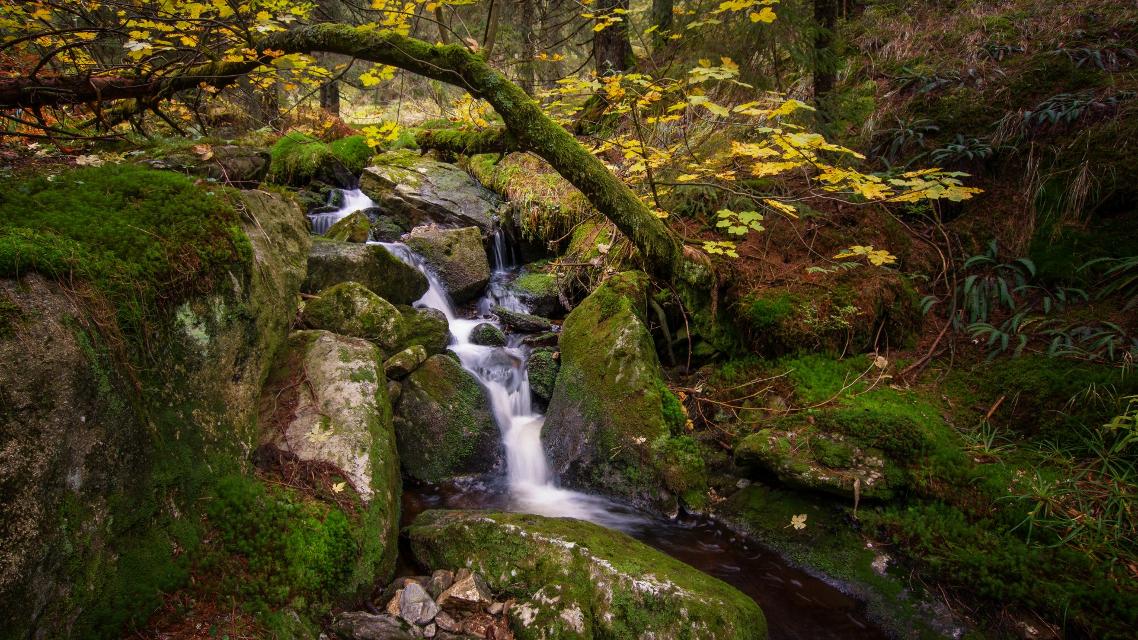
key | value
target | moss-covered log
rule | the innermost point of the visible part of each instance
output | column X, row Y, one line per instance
column 522, row 116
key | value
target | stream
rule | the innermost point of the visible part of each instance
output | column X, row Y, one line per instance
column 796, row 604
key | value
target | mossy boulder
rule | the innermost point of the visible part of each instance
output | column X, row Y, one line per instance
column 355, row 227
column 401, row 365
column 575, row 579
column 487, row 335
column 456, row 256
column 612, row 424
column 330, row 263
column 299, row 160
column 350, row 309
column 444, row 424
column 110, row 442
column 421, row 190
column 425, row 326
column 523, row 322
column 541, row 368
column 540, row 292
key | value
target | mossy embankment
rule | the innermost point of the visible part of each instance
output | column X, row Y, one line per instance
column 145, row 329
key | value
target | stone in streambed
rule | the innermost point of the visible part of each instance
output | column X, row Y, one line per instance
column 351, row 309
column 355, row 227
column 330, row 263
column 443, row 423
column 575, row 579
column 523, row 322
column 539, row 291
column 468, row 593
column 425, row 326
column 400, row 365
column 487, row 335
column 422, row 190
column 542, row 368
column 457, row 256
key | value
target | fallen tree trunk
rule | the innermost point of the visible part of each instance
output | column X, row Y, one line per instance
column 524, row 119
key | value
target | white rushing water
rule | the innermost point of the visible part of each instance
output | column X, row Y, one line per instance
column 502, row 372
column 354, row 200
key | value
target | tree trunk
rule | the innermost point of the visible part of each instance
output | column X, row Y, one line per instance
column 612, row 49
column 825, row 60
column 491, row 33
column 662, row 11
column 330, row 97
column 527, row 66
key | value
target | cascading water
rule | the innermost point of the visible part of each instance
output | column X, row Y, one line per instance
column 502, row 372
column 353, row 200
column 797, row 605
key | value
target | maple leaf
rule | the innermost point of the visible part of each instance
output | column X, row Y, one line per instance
column 798, row 522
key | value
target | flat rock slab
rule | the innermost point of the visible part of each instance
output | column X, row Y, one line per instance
column 575, row 579
column 422, row 190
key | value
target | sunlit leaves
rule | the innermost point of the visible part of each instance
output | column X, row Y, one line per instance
column 876, row 257
column 720, row 248
column 739, row 223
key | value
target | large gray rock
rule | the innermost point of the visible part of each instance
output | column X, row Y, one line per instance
column 80, row 444
column 457, row 256
column 326, row 401
column 444, row 424
column 374, row 267
column 574, row 579
column 612, row 424
column 422, row 190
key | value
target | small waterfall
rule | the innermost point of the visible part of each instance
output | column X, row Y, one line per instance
column 502, row 372
column 353, row 200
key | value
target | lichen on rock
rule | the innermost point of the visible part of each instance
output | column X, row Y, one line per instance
column 575, row 579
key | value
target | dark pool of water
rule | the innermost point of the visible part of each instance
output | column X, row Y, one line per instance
column 797, row 605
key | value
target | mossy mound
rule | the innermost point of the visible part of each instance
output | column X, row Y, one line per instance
column 487, row 335
column 330, row 263
column 145, row 240
column 350, row 309
column 456, row 256
column 277, row 547
column 854, row 310
column 575, row 579
column 444, row 424
column 299, row 160
column 355, row 227
column 612, row 423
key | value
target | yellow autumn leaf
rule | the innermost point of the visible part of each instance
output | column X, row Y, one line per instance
column 766, row 15
column 798, row 521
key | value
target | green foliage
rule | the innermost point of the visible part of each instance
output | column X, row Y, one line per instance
column 144, row 240
column 1119, row 276
column 277, row 548
column 1064, row 109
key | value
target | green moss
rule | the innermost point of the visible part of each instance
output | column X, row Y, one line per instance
column 355, row 227
column 767, row 312
column 145, row 240
column 353, row 151
column 299, row 159
column 276, row 548
column 535, row 284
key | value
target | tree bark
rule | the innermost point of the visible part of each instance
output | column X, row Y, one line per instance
column 611, row 47
column 662, row 11
column 825, row 63
column 524, row 119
